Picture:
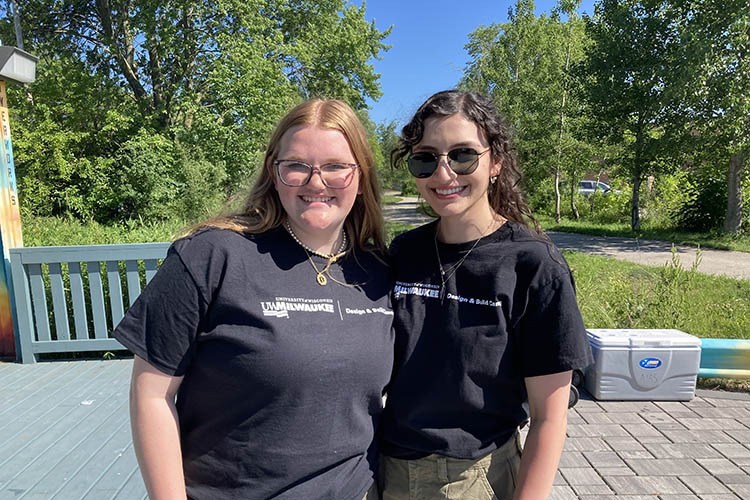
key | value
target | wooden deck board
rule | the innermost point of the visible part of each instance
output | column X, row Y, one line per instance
column 40, row 442
column 104, row 471
column 122, row 479
column 34, row 391
column 66, row 432
column 45, row 454
column 110, row 440
column 80, row 386
column 61, row 449
column 132, row 488
column 13, row 376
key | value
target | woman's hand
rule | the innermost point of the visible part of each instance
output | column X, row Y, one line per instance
column 156, row 432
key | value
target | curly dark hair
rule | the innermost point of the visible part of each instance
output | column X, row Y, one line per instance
column 504, row 195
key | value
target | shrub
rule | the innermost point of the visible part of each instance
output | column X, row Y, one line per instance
column 541, row 199
column 705, row 207
column 606, row 208
column 667, row 197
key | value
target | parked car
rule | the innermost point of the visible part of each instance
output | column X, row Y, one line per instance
column 590, row 187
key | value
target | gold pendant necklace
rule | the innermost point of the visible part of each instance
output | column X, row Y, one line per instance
column 320, row 275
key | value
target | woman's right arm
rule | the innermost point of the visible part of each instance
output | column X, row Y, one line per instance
column 156, row 432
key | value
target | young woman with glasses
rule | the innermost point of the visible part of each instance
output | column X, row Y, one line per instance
column 272, row 330
column 485, row 319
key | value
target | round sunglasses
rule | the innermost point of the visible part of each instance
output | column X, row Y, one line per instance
column 463, row 161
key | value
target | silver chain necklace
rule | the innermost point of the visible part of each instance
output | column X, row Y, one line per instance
column 452, row 270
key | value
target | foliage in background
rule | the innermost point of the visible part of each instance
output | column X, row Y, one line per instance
column 717, row 98
column 525, row 66
column 633, row 86
column 146, row 109
column 706, row 202
column 643, row 90
column 393, row 176
column 663, row 198
column 57, row 231
column 153, row 110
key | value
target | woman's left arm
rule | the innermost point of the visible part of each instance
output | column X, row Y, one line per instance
column 548, row 408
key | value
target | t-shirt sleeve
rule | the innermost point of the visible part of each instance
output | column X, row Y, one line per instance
column 162, row 325
column 552, row 335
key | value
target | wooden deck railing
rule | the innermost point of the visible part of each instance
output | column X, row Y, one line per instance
column 70, row 298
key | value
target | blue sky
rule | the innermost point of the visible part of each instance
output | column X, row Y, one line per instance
column 427, row 53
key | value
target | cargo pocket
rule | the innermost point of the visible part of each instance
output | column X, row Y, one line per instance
column 502, row 475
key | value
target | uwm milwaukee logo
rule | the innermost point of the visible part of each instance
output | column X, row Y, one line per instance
column 282, row 306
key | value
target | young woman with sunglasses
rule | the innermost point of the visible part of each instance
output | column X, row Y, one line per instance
column 485, row 319
column 272, row 327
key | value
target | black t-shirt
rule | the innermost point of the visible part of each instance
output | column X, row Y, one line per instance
column 283, row 378
column 508, row 312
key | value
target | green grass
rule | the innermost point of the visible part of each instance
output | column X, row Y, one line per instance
column 616, row 294
column 714, row 239
column 56, row 231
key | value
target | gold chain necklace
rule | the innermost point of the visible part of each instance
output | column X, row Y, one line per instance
column 320, row 275
column 452, row 270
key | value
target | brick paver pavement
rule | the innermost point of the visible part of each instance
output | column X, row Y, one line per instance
column 634, row 450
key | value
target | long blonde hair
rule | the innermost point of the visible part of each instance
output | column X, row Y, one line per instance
column 263, row 209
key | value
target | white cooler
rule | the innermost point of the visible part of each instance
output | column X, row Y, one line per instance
column 658, row 365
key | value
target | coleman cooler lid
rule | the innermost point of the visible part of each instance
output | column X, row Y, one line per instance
column 618, row 337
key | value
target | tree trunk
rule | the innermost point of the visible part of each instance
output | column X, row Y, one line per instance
column 573, row 207
column 635, row 219
column 558, row 166
column 557, row 194
column 733, row 220
column 122, row 48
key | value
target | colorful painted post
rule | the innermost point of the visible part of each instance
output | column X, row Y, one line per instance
column 10, row 229
column 725, row 358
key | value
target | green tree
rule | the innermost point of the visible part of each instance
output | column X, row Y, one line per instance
column 525, row 65
column 717, row 99
column 372, row 139
column 387, row 142
column 66, row 138
column 211, row 78
column 574, row 42
column 632, row 83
